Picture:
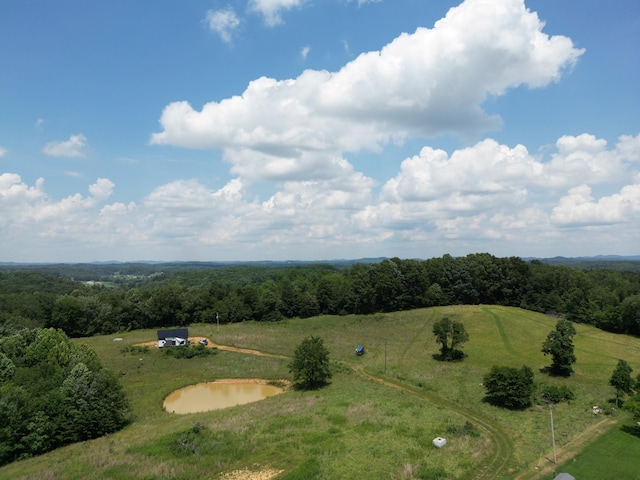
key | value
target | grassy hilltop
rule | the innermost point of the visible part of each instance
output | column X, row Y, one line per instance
column 377, row 418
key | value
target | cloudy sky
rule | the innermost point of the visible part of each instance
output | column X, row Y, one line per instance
column 318, row 129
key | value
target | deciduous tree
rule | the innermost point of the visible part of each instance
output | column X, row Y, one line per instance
column 450, row 334
column 310, row 365
column 7, row 368
column 621, row 380
column 559, row 344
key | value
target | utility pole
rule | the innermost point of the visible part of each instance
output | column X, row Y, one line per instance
column 553, row 436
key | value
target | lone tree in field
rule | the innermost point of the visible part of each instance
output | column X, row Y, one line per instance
column 509, row 387
column 450, row 335
column 621, row 380
column 559, row 344
column 310, row 364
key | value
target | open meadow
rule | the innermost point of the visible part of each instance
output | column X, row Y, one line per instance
column 377, row 417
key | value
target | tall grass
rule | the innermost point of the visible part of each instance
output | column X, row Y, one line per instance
column 357, row 424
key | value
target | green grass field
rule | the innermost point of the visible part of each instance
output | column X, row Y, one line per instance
column 377, row 418
column 612, row 456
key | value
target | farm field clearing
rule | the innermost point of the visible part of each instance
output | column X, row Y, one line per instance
column 380, row 412
column 595, row 460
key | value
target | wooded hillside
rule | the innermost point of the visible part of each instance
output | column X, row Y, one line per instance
column 158, row 296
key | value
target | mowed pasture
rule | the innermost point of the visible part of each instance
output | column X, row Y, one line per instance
column 614, row 455
column 377, row 417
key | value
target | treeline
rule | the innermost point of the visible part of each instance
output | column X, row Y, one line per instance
column 53, row 393
column 606, row 298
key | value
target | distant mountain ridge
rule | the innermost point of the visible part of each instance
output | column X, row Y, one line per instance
column 203, row 263
column 137, row 273
column 342, row 261
column 599, row 262
column 580, row 259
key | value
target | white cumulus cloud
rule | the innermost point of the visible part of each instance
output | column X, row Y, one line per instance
column 30, row 214
column 271, row 10
column 74, row 147
column 426, row 83
column 579, row 207
column 487, row 193
column 487, row 169
column 585, row 159
column 223, row 22
column 495, row 191
column 102, row 189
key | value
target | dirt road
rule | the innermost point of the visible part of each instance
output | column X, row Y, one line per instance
column 493, row 468
column 210, row 344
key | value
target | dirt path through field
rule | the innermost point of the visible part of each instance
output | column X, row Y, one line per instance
column 210, row 344
column 493, row 468
column 546, row 466
column 250, row 475
column 246, row 350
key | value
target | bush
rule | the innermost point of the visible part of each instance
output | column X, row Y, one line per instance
column 189, row 351
column 135, row 350
column 509, row 387
column 556, row 394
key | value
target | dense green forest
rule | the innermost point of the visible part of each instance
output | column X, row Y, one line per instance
column 53, row 393
column 121, row 297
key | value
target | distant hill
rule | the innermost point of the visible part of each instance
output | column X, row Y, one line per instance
column 609, row 262
column 105, row 271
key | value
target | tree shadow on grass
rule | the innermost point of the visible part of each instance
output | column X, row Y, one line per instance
column 631, row 430
column 500, row 403
column 456, row 356
column 616, row 402
column 306, row 387
column 554, row 372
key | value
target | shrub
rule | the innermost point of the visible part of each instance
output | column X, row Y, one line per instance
column 509, row 387
column 189, row 351
column 556, row 393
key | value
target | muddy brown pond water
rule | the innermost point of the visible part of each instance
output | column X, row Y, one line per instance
column 204, row 397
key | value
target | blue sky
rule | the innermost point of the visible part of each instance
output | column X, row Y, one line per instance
column 318, row 129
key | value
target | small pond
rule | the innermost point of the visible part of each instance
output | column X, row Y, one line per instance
column 204, row 397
